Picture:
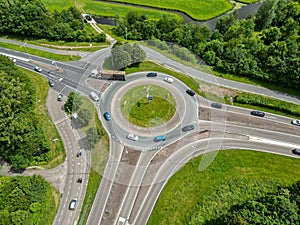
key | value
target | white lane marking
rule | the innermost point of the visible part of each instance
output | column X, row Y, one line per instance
column 269, row 141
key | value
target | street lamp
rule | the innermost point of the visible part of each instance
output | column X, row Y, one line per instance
column 126, row 33
column 24, row 45
column 54, row 63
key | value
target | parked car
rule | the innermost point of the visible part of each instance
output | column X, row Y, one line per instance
column 73, row 203
column 38, row 69
column 94, row 96
column 190, row 92
column 216, row 105
column 295, row 122
column 258, row 113
column 107, row 116
column 160, row 138
column 51, row 83
column 60, row 97
column 152, row 74
column 169, row 80
column 188, row 128
column 132, row 137
column 296, row 151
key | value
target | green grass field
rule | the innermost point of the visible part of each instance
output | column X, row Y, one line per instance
column 57, row 153
column 197, row 9
column 191, row 193
column 141, row 112
column 105, row 9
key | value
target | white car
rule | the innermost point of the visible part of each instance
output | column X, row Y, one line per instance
column 295, row 122
column 94, row 96
column 132, row 137
column 169, row 80
column 73, row 203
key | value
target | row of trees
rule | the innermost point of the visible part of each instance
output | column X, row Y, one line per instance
column 25, row 200
column 30, row 18
column 84, row 116
column 265, row 47
column 22, row 140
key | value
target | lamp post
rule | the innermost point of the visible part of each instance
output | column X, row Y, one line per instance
column 126, row 33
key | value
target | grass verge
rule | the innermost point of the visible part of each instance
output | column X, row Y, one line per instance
column 99, row 156
column 40, row 53
column 57, row 154
column 189, row 189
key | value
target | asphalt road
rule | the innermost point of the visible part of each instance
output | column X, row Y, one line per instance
column 260, row 136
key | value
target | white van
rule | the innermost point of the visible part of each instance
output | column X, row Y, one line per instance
column 94, row 96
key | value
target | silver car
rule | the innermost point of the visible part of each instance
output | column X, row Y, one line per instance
column 132, row 137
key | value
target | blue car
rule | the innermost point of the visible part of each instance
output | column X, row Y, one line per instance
column 107, row 116
column 160, row 138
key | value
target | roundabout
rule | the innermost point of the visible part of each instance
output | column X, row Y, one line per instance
column 172, row 110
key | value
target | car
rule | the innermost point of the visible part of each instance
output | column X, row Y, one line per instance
column 190, row 92
column 51, row 83
column 94, row 96
column 60, row 97
column 257, row 113
column 107, row 116
column 132, row 137
column 169, row 80
column 295, row 122
column 152, row 74
column 38, row 69
column 160, row 138
column 73, row 203
column 216, row 105
column 296, row 151
column 188, row 128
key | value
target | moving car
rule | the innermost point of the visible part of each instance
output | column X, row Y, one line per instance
column 107, row 116
column 216, row 105
column 188, row 128
column 258, row 113
column 160, row 138
column 132, row 137
column 94, row 96
column 296, row 151
column 190, row 92
column 60, row 97
column 51, row 83
column 38, row 69
column 295, row 122
column 152, row 74
column 73, row 203
column 169, row 80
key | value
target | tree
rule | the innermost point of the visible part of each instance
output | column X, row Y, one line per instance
column 120, row 58
column 84, row 117
column 93, row 136
column 265, row 14
column 73, row 102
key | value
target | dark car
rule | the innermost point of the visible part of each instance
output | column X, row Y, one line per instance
column 51, row 83
column 258, row 113
column 60, row 97
column 188, row 128
column 216, row 105
column 152, row 74
column 190, row 92
column 296, row 151
column 107, row 116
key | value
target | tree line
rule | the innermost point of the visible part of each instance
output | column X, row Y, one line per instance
column 26, row 201
column 22, row 140
column 264, row 47
column 30, row 18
